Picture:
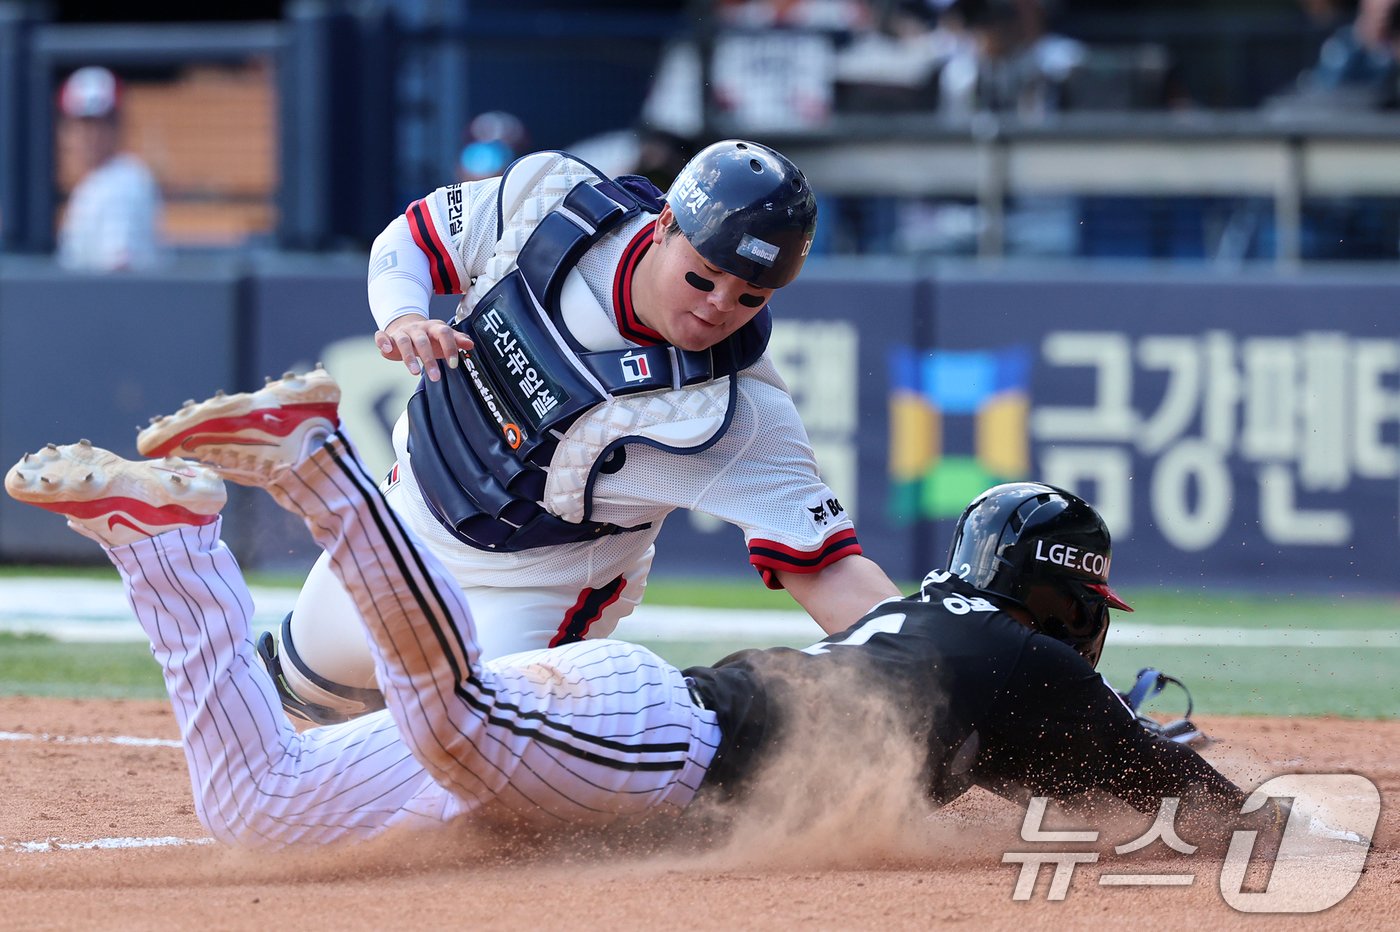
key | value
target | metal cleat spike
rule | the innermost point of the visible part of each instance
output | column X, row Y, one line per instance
column 155, row 420
column 289, row 374
column 85, row 442
column 189, row 403
column 26, row 458
column 267, row 380
column 177, row 480
column 51, row 446
column 219, row 394
column 46, row 480
column 320, row 366
column 88, row 477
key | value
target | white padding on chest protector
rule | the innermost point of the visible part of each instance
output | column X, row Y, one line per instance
column 533, row 186
column 584, row 317
column 679, row 419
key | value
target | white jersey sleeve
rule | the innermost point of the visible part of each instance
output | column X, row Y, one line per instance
column 400, row 283
column 761, row 476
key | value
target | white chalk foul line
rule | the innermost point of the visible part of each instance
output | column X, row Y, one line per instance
column 103, row 844
column 125, row 740
column 96, row 844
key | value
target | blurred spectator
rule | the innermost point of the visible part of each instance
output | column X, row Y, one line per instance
column 1356, row 66
column 654, row 154
column 494, row 139
column 113, row 216
column 661, row 156
column 770, row 69
column 894, row 65
column 1009, row 61
column 483, row 160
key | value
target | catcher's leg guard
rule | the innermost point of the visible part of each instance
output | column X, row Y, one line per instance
column 295, row 682
column 1149, row 684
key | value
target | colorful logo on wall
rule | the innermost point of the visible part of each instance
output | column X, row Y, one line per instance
column 958, row 424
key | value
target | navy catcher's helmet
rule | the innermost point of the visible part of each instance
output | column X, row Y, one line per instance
column 1047, row 551
column 747, row 210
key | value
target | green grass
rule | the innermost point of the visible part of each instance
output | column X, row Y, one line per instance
column 1346, row 682
column 34, row 665
column 24, row 570
column 105, row 571
column 1223, row 680
column 1343, row 681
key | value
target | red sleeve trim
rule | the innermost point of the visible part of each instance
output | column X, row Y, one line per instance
column 769, row 556
column 420, row 223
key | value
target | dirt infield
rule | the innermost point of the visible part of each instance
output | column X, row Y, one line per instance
column 944, row 870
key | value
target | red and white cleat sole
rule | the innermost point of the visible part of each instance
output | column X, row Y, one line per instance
column 251, row 436
column 113, row 500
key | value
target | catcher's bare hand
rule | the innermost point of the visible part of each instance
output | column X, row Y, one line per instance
column 419, row 342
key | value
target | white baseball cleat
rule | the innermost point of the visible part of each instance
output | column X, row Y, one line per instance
column 112, row 500
column 252, row 436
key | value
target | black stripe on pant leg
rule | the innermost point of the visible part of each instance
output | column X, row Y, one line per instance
column 351, row 553
column 373, row 498
column 211, row 700
column 577, row 623
column 197, row 744
column 370, row 497
column 376, row 502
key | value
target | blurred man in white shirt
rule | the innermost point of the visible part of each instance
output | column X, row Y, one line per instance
column 112, row 219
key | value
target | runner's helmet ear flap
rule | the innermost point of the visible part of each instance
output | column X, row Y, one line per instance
column 1045, row 550
column 747, row 210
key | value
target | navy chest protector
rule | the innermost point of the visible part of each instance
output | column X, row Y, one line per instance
column 481, row 438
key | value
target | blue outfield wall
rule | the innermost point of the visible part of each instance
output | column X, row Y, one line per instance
column 1233, row 430
column 1236, row 430
column 89, row 357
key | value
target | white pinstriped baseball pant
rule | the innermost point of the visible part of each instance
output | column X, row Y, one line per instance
column 588, row 733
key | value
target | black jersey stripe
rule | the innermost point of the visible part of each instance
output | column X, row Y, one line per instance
column 586, row 610
column 377, row 553
column 463, row 691
column 426, row 239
